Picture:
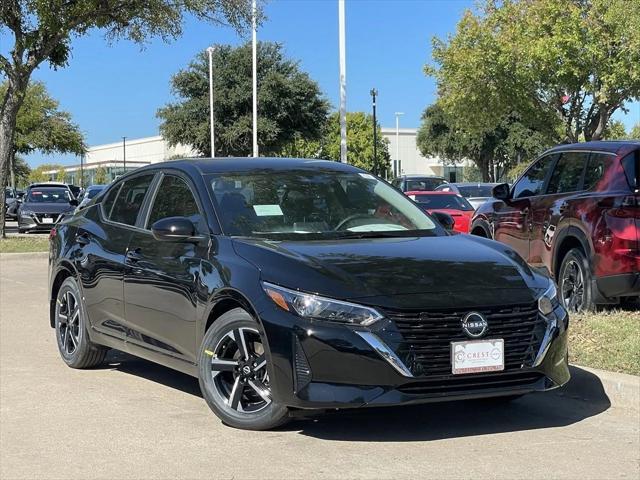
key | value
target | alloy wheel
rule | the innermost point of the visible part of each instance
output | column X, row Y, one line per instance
column 239, row 370
column 68, row 313
column 573, row 286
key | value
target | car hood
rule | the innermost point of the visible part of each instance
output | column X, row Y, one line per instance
column 397, row 271
column 47, row 207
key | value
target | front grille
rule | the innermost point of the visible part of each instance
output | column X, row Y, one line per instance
column 426, row 336
column 41, row 216
column 472, row 382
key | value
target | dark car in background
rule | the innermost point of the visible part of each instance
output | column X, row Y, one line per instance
column 43, row 206
column 89, row 194
column 576, row 212
column 406, row 183
column 475, row 193
column 11, row 204
column 288, row 285
column 451, row 203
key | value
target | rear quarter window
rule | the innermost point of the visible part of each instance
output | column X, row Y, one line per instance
column 631, row 167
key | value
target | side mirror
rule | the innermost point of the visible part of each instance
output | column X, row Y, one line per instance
column 444, row 219
column 174, row 229
column 501, row 192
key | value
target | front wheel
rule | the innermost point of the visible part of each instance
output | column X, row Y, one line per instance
column 234, row 374
column 74, row 345
column 575, row 282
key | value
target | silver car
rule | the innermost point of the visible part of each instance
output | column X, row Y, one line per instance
column 475, row 193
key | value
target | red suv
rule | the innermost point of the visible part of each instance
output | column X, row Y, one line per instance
column 575, row 211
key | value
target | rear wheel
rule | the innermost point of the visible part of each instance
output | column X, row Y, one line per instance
column 74, row 345
column 234, row 374
column 574, row 282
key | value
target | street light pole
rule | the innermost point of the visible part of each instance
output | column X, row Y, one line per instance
column 396, row 170
column 81, row 171
column 373, row 93
column 124, row 154
column 210, row 51
column 254, row 60
column 343, row 82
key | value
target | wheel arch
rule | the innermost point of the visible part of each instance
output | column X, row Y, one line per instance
column 65, row 270
column 481, row 224
column 222, row 302
column 568, row 238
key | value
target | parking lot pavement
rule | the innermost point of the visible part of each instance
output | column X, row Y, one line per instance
column 133, row 419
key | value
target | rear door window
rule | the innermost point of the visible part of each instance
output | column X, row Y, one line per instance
column 533, row 181
column 567, row 174
column 594, row 175
column 130, row 199
column 631, row 166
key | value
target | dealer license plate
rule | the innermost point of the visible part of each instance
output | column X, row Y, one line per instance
column 477, row 356
column 47, row 220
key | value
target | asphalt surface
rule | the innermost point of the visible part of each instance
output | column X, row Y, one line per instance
column 133, row 419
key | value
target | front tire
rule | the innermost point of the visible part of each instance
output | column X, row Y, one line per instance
column 234, row 374
column 74, row 345
column 574, row 282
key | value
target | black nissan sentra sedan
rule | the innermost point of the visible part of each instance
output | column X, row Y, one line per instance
column 289, row 285
column 43, row 206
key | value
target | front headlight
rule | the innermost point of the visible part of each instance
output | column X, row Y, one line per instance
column 549, row 299
column 313, row 306
column 26, row 213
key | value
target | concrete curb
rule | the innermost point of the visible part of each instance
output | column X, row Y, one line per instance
column 622, row 389
column 24, row 256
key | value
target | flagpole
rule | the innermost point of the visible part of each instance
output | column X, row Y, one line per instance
column 255, row 81
column 343, row 83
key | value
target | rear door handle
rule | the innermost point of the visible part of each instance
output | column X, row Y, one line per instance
column 82, row 239
column 134, row 255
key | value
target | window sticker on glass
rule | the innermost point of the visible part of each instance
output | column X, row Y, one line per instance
column 267, row 210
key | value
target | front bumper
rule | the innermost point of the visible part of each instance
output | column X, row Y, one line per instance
column 317, row 365
column 37, row 222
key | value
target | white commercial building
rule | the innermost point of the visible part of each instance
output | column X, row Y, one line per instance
column 411, row 161
column 144, row 151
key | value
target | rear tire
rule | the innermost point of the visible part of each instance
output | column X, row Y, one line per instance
column 75, row 348
column 233, row 371
column 574, row 282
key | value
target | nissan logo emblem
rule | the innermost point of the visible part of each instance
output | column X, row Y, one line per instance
column 474, row 324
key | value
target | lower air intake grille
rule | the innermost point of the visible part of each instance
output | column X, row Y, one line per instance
column 302, row 370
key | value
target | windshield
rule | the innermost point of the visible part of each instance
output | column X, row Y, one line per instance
column 306, row 204
column 449, row 202
column 48, row 195
column 469, row 191
column 423, row 184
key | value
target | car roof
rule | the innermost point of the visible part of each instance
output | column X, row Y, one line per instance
column 430, row 192
column 611, row 146
column 207, row 166
column 416, row 175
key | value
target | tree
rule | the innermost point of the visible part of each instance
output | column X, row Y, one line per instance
column 359, row 140
column 37, row 174
column 42, row 33
column 635, row 132
column 290, row 104
column 21, row 172
column 615, row 131
column 565, row 63
column 61, row 175
column 509, row 143
column 100, row 177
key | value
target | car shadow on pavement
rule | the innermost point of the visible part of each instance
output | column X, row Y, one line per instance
column 581, row 398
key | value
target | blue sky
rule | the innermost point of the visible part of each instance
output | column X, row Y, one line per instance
column 115, row 90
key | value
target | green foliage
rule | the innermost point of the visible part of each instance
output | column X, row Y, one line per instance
column 61, row 175
column 22, row 171
column 635, row 132
column 472, row 173
column 41, row 126
column 615, row 131
column 100, row 177
column 511, row 141
column 359, row 142
column 515, row 171
column 37, row 174
column 290, row 105
column 562, row 65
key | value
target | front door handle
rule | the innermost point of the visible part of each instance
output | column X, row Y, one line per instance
column 134, row 255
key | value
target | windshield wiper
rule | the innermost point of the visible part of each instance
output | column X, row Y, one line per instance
column 384, row 234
